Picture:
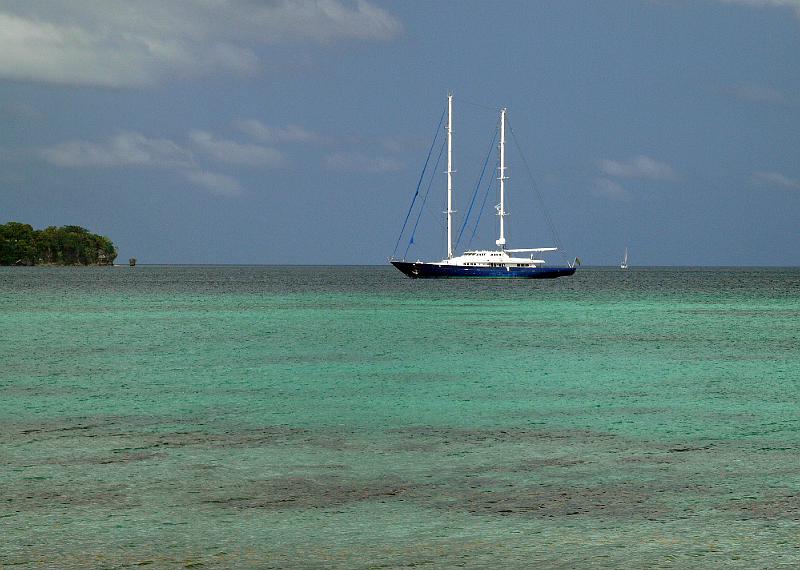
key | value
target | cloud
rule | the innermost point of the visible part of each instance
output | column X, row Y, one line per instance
column 794, row 4
column 117, row 43
column 398, row 145
column 272, row 135
column 18, row 110
column 125, row 149
column 237, row 153
column 35, row 50
column 637, row 167
column 758, row 94
column 219, row 184
column 131, row 149
column 357, row 162
column 606, row 188
column 776, row 179
column 319, row 20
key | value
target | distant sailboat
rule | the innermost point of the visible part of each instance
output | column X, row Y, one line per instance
column 624, row 264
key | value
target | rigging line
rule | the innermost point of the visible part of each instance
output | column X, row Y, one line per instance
column 480, row 210
column 419, row 183
column 547, row 217
column 479, row 105
column 425, row 199
column 434, row 171
column 477, row 187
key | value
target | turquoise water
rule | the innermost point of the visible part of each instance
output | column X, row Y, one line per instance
column 349, row 417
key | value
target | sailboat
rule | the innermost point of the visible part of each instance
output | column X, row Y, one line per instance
column 624, row 264
column 498, row 263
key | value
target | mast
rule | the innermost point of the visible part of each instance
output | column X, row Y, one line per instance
column 501, row 210
column 449, row 176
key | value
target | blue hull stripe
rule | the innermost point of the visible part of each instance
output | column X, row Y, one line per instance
column 419, row 270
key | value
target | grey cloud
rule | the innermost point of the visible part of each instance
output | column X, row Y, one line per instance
column 272, row 135
column 319, row 20
column 131, row 149
column 125, row 149
column 357, row 162
column 758, row 93
column 18, row 110
column 220, row 184
column 637, row 167
column 236, row 153
column 776, row 179
column 794, row 4
column 606, row 188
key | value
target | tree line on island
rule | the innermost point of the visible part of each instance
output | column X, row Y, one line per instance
column 20, row 244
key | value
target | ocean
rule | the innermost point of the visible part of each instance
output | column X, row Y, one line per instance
column 348, row 417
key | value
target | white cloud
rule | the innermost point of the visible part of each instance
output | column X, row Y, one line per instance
column 357, row 162
column 117, row 43
column 237, row 153
column 637, row 167
column 605, row 188
column 35, row 50
column 776, row 179
column 272, row 135
column 125, row 149
column 219, row 184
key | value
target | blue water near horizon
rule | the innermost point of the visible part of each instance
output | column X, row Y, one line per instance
column 301, row 417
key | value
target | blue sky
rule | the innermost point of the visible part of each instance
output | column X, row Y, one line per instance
column 221, row 131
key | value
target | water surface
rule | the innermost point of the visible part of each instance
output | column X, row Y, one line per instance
column 350, row 417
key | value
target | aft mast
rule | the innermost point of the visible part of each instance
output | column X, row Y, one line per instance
column 449, row 176
column 501, row 211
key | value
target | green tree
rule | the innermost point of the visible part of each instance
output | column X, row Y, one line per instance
column 17, row 245
column 20, row 244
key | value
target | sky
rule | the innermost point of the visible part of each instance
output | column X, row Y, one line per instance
column 295, row 132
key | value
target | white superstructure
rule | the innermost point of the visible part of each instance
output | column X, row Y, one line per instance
column 497, row 258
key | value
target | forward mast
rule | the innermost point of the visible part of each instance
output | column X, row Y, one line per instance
column 501, row 210
column 450, row 176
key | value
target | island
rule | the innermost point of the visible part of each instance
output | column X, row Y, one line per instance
column 20, row 244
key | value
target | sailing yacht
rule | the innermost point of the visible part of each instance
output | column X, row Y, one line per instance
column 624, row 264
column 499, row 263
